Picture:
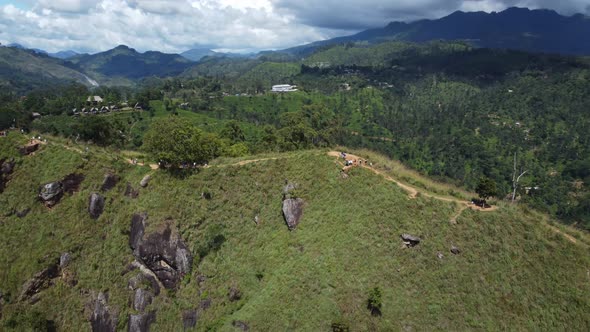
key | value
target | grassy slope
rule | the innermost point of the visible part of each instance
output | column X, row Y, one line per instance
column 514, row 272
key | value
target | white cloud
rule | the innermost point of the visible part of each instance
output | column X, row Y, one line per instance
column 246, row 25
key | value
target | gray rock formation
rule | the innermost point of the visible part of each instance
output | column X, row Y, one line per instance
column 109, row 182
column 95, row 205
column 141, row 322
column 293, row 211
column 103, row 319
column 51, row 193
column 455, row 250
column 189, row 319
column 141, row 299
column 410, row 240
column 39, row 281
column 163, row 251
column 6, row 167
column 64, row 260
column 145, row 181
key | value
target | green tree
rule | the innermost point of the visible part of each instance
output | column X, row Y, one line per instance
column 486, row 188
column 175, row 141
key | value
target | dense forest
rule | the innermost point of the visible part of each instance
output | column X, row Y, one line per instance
column 448, row 110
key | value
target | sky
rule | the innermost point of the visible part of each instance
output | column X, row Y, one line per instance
column 241, row 26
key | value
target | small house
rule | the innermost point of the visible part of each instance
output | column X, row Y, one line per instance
column 36, row 115
column 138, row 107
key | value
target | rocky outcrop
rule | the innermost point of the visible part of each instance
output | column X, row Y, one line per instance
column 163, row 251
column 95, row 205
column 72, row 182
column 292, row 206
column 189, row 319
column 293, row 211
column 455, row 250
column 103, row 319
column 130, row 192
column 29, row 148
column 141, row 322
column 410, row 240
column 51, row 193
column 141, row 299
column 109, row 182
column 64, row 260
column 145, row 181
column 39, row 282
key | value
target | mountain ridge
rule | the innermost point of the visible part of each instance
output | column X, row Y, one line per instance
column 538, row 30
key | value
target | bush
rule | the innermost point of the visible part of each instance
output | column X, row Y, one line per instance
column 374, row 302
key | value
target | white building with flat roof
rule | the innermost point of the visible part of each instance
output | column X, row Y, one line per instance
column 284, row 88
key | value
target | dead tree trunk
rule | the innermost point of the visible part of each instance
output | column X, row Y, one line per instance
column 515, row 179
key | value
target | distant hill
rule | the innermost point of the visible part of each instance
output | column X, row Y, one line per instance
column 197, row 54
column 22, row 70
column 126, row 63
column 515, row 28
column 64, row 54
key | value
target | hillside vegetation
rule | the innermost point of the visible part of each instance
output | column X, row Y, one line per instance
column 514, row 269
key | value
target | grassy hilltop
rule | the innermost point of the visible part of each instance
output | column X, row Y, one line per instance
column 516, row 270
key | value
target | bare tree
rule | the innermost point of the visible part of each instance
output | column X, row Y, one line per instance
column 515, row 179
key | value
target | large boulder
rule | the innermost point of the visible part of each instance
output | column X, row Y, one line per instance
column 6, row 167
column 103, row 319
column 141, row 322
column 410, row 240
column 145, row 181
column 293, row 211
column 29, row 148
column 163, row 251
column 109, row 182
column 39, row 281
column 51, row 193
column 95, row 205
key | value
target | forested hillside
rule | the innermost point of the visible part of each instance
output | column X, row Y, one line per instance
column 448, row 110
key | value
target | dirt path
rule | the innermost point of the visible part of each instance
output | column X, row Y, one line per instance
column 567, row 236
column 413, row 192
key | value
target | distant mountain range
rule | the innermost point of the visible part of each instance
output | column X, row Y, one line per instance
column 197, row 54
column 126, row 63
column 58, row 55
column 515, row 28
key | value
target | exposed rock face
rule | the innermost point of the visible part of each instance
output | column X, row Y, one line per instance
column 288, row 188
column 29, row 148
column 6, row 167
column 109, row 182
column 163, row 252
column 39, row 282
column 241, row 325
column 141, row 322
column 102, row 319
column 189, row 319
column 293, row 211
column 72, row 182
column 51, row 193
column 95, row 205
column 130, row 192
column 64, row 260
column 455, row 250
column 410, row 240
column 145, row 181
column 141, row 299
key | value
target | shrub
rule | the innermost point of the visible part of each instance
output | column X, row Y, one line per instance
column 374, row 302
